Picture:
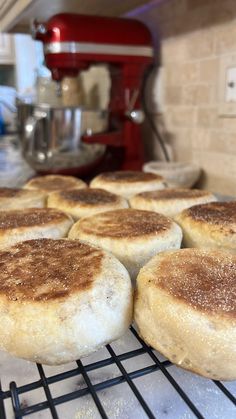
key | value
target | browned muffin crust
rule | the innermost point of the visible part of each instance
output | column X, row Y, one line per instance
column 204, row 280
column 88, row 196
column 29, row 217
column 174, row 194
column 129, row 176
column 47, row 269
column 54, row 182
column 125, row 223
column 223, row 213
column 10, row 192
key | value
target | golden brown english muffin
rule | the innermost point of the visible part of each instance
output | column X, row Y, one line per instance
column 61, row 300
column 128, row 183
column 211, row 226
column 185, row 307
column 11, row 199
column 51, row 183
column 32, row 223
column 133, row 236
column 84, row 202
column 170, row 201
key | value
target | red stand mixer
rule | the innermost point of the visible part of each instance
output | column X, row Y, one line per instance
column 75, row 42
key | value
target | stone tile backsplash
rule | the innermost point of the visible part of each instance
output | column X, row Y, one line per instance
column 195, row 36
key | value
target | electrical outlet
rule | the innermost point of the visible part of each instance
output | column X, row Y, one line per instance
column 230, row 89
column 227, row 86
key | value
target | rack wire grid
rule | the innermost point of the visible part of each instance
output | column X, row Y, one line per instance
column 172, row 391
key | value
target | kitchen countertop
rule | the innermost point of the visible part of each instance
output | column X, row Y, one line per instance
column 119, row 401
column 14, row 171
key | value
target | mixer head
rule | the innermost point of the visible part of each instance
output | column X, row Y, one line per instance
column 73, row 42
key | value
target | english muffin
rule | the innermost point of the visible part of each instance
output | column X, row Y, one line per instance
column 21, row 198
column 170, row 201
column 210, row 225
column 61, row 300
column 128, row 183
column 84, row 202
column 133, row 236
column 32, row 223
column 185, row 307
column 52, row 183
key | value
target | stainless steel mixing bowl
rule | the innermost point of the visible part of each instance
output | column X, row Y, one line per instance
column 52, row 137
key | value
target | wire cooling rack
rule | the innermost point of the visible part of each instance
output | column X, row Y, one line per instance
column 171, row 391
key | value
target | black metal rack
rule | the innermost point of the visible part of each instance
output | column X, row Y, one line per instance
column 83, row 370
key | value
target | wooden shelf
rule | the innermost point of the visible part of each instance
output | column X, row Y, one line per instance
column 16, row 15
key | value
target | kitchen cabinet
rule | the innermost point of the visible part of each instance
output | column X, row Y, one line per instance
column 7, row 53
column 15, row 15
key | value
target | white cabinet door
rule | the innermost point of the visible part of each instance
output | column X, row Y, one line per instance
column 7, row 54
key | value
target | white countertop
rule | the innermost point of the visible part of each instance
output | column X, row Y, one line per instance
column 119, row 402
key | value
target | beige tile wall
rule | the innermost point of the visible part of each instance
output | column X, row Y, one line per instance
column 196, row 36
